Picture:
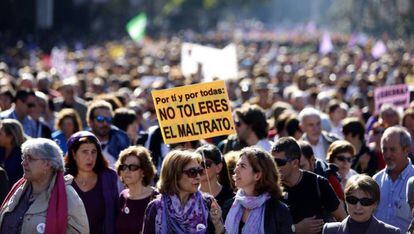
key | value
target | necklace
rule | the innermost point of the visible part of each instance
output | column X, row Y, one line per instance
column 125, row 209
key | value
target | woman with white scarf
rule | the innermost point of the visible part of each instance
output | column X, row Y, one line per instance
column 256, row 207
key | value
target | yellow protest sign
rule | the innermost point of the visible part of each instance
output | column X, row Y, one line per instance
column 193, row 112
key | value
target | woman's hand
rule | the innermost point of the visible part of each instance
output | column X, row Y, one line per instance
column 215, row 214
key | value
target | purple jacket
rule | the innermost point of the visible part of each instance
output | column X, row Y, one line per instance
column 110, row 192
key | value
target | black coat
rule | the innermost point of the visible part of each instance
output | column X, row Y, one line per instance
column 277, row 218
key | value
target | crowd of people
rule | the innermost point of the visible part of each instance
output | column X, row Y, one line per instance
column 84, row 153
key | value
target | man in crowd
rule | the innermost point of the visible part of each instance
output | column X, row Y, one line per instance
column 393, row 207
column 113, row 140
column 365, row 160
column 70, row 99
column 310, row 123
column 251, row 127
column 24, row 100
column 310, row 198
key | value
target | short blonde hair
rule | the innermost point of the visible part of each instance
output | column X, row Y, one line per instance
column 145, row 162
column 231, row 160
column 172, row 170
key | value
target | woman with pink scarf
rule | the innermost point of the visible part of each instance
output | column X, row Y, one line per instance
column 41, row 201
column 181, row 207
column 256, row 207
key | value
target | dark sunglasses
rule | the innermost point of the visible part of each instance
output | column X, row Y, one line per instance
column 194, row 171
column 344, row 159
column 363, row 201
column 281, row 162
column 207, row 164
column 31, row 105
column 237, row 123
column 102, row 119
column 131, row 167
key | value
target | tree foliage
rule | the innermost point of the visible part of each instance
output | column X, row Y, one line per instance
column 374, row 16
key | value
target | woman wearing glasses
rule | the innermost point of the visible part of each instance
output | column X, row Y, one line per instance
column 341, row 153
column 362, row 195
column 136, row 170
column 216, row 179
column 42, row 201
column 181, row 207
column 95, row 183
column 257, row 207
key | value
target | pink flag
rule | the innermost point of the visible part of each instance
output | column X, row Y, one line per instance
column 379, row 49
column 326, row 45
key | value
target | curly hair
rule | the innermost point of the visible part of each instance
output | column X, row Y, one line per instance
column 145, row 162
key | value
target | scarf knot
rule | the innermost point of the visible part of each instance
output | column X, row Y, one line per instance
column 190, row 218
column 255, row 221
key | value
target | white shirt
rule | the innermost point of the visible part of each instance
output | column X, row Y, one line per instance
column 264, row 144
column 319, row 150
column 344, row 180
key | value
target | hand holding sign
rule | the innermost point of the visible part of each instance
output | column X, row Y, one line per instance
column 193, row 112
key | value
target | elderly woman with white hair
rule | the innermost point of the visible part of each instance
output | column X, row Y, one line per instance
column 41, row 201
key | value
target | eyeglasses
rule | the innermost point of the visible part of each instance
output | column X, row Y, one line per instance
column 281, row 162
column 102, row 119
column 207, row 164
column 29, row 158
column 131, row 167
column 237, row 123
column 344, row 159
column 194, row 171
column 363, row 201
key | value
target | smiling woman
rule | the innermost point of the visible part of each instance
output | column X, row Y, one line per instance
column 181, row 207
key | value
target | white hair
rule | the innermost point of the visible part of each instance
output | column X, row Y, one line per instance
column 45, row 149
column 307, row 112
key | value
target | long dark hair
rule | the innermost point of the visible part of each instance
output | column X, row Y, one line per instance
column 74, row 142
column 213, row 153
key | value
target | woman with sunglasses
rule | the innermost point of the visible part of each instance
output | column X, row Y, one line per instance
column 341, row 153
column 136, row 170
column 93, row 180
column 181, row 207
column 215, row 179
column 257, row 207
column 362, row 195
